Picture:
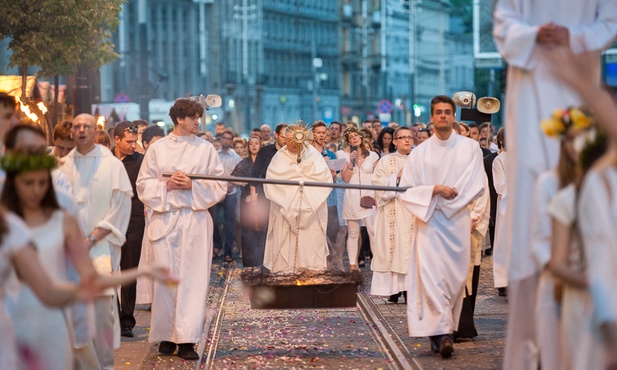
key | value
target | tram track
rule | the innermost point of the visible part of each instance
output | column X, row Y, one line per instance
column 385, row 337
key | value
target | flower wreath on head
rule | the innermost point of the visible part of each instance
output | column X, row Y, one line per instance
column 349, row 131
column 20, row 162
column 563, row 120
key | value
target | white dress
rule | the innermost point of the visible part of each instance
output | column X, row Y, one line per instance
column 15, row 239
column 597, row 207
column 501, row 252
column 41, row 330
column 580, row 335
column 361, row 175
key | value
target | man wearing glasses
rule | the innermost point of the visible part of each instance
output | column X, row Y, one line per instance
column 394, row 224
column 102, row 191
column 125, row 138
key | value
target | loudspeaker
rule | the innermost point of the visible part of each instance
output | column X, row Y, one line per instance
column 213, row 101
column 488, row 105
column 464, row 99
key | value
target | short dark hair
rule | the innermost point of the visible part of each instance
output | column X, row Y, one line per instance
column 228, row 131
column 185, row 107
column 280, row 128
column 443, row 99
column 141, row 122
column 501, row 138
column 122, row 127
column 7, row 100
column 340, row 125
column 151, row 132
column 10, row 139
column 62, row 131
column 318, row 123
column 425, row 130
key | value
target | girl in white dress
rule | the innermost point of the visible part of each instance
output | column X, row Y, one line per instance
column 42, row 333
column 358, row 170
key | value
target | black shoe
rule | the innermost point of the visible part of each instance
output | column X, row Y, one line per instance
column 229, row 259
column 187, row 352
column 446, row 347
column 361, row 263
column 167, row 348
column 127, row 331
column 488, row 252
column 394, row 298
column 502, row 292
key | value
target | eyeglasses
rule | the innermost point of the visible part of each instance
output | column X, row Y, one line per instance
column 404, row 138
column 133, row 128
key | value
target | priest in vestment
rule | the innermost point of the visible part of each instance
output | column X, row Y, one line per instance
column 102, row 192
column 445, row 174
column 524, row 31
column 298, row 214
column 394, row 224
column 180, row 228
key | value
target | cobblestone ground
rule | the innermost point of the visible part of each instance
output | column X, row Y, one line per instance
column 327, row 339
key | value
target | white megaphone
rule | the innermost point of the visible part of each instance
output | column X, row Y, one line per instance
column 488, row 105
column 213, row 101
column 464, row 99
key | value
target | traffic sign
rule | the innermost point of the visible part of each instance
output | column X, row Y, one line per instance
column 122, row 98
column 384, row 106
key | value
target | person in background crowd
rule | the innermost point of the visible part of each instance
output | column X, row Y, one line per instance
column 336, row 130
column 464, row 129
column 142, row 125
column 151, row 135
column 266, row 134
column 219, row 127
column 358, row 170
column 385, row 141
column 241, row 147
column 125, row 137
column 8, row 118
column 102, row 138
column 63, row 143
column 376, row 126
column 335, row 256
column 423, row 135
column 252, row 252
column 501, row 251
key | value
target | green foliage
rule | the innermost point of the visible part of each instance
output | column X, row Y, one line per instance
column 59, row 35
column 463, row 9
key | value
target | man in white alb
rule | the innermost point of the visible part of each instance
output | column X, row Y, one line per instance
column 445, row 174
column 180, row 228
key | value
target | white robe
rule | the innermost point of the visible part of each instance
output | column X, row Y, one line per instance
column 533, row 93
column 597, row 207
column 501, row 252
column 394, row 231
column 102, row 192
column 480, row 211
column 547, row 311
column 441, row 249
column 180, row 232
column 298, row 215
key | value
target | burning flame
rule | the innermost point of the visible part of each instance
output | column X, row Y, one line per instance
column 100, row 123
column 42, row 107
column 26, row 110
column 298, row 283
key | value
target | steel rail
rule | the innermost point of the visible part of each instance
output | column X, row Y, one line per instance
column 291, row 183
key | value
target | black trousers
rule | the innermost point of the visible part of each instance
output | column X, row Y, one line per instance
column 131, row 250
column 466, row 326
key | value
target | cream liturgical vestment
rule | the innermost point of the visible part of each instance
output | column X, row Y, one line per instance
column 440, row 253
column 180, row 232
column 298, row 214
column 394, row 231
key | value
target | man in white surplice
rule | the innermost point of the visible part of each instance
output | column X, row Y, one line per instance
column 180, row 228
column 298, row 214
column 394, row 224
column 524, row 32
column 445, row 174
column 102, row 192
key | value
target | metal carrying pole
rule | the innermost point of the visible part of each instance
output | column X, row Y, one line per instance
column 292, row 183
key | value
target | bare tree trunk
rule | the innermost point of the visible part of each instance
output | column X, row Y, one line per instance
column 56, row 90
column 24, row 81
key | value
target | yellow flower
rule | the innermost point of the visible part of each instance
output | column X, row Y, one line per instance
column 552, row 127
column 580, row 120
column 557, row 114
